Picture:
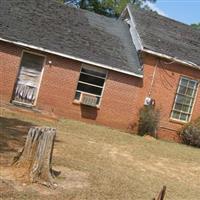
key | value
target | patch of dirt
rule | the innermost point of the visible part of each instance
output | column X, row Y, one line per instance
column 67, row 180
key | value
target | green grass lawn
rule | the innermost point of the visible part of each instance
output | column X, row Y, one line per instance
column 100, row 163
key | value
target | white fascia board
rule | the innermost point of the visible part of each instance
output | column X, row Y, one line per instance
column 188, row 63
column 72, row 57
column 139, row 41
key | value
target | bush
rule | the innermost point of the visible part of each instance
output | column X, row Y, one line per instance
column 190, row 134
column 148, row 121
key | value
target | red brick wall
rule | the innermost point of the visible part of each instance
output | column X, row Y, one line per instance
column 58, row 85
column 58, row 89
column 9, row 65
column 164, row 89
column 122, row 98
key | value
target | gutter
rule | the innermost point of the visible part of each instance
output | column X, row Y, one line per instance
column 71, row 57
column 188, row 63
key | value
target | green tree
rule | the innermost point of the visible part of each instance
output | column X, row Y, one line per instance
column 197, row 25
column 111, row 8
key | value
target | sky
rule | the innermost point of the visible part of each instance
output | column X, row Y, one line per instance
column 186, row 11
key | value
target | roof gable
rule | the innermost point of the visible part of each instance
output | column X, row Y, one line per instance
column 167, row 36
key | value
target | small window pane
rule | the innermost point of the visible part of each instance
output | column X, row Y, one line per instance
column 183, row 117
column 176, row 114
column 91, row 79
column 178, row 106
column 185, row 108
column 180, row 99
column 98, row 100
column 190, row 92
column 89, row 89
column 95, row 73
column 32, row 61
column 192, row 84
column 187, row 101
column 184, row 82
column 182, row 89
column 77, row 95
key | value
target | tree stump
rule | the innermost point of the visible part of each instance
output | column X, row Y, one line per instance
column 35, row 158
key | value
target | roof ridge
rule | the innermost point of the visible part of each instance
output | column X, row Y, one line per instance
column 66, row 6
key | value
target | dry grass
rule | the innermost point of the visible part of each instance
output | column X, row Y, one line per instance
column 98, row 163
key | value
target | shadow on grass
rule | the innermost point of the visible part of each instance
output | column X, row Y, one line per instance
column 12, row 134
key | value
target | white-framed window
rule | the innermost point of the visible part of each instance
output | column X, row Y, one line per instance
column 28, row 79
column 90, row 84
column 184, row 100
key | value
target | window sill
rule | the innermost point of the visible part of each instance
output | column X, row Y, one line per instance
column 79, row 103
column 178, row 121
column 26, row 105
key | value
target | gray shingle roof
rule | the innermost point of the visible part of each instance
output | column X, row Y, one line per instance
column 70, row 31
column 167, row 36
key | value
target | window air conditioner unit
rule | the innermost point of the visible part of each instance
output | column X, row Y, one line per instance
column 149, row 101
column 88, row 100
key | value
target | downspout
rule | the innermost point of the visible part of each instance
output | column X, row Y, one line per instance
column 152, row 84
column 153, row 77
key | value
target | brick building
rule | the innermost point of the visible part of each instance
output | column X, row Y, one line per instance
column 72, row 63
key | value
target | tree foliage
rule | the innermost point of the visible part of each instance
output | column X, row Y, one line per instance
column 197, row 25
column 111, row 8
column 190, row 133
